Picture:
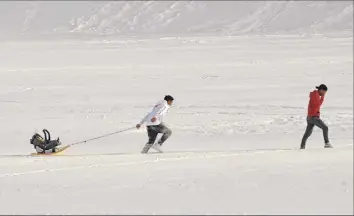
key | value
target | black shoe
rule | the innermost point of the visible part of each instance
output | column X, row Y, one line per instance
column 146, row 148
column 328, row 145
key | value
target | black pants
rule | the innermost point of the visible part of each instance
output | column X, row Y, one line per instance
column 154, row 130
column 311, row 122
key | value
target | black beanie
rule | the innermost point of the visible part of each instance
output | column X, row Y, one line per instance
column 168, row 98
column 322, row 87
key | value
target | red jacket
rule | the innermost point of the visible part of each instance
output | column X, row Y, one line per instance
column 315, row 103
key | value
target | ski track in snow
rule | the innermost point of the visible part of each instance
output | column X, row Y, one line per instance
column 157, row 159
column 184, row 156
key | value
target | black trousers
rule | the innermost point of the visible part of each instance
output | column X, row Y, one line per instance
column 154, row 130
column 311, row 123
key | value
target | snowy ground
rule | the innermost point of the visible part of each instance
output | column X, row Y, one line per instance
column 237, row 123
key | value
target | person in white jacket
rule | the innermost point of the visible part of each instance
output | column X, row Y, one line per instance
column 155, row 125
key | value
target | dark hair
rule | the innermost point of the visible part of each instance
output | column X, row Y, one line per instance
column 168, row 98
column 322, row 87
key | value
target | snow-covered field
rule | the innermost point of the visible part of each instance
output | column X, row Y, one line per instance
column 316, row 181
column 239, row 115
column 237, row 123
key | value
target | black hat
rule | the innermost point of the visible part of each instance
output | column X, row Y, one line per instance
column 322, row 86
column 168, row 98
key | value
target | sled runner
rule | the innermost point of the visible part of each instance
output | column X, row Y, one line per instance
column 57, row 151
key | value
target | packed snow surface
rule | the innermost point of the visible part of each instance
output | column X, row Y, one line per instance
column 237, row 121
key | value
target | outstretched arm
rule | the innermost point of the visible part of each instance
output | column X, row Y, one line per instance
column 142, row 121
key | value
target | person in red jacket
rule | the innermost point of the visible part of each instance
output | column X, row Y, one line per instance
column 313, row 117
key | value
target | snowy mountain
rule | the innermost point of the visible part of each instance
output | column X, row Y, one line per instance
column 176, row 17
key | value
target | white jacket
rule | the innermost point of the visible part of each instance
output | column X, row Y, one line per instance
column 159, row 110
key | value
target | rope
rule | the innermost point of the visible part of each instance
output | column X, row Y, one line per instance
column 99, row 137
